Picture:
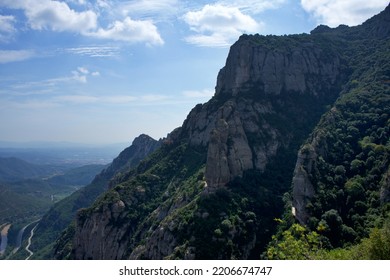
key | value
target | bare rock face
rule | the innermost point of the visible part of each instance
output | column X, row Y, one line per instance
column 303, row 189
column 160, row 244
column 97, row 238
column 289, row 67
column 237, row 132
column 225, row 134
column 308, row 156
column 229, row 153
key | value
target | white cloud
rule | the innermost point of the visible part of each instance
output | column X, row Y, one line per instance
column 154, row 98
column 118, row 99
column 83, row 70
column 47, row 86
column 94, row 51
column 336, row 12
column 7, row 56
column 7, row 28
column 103, row 4
column 206, row 93
column 109, row 99
column 54, row 15
column 252, row 6
column 218, row 26
column 77, row 76
column 78, row 99
column 132, row 31
column 80, row 75
column 150, row 9
column 58, row 16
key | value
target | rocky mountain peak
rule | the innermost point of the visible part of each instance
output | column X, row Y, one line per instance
column 141, row 147
column 278, row 64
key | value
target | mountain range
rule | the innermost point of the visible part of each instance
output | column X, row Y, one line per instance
column 292, row 151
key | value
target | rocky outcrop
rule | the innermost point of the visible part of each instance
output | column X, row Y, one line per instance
column 303, row 189
column 296, row 67
column 236, row 125
column 302, row 186
column 97, row 237
column 142, row 146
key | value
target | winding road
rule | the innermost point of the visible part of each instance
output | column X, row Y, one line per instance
column 19, row 239
column 29, row 243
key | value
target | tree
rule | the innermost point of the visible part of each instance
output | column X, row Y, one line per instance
column 296, row 244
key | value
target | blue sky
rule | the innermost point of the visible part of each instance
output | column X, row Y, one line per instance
column 105, row 71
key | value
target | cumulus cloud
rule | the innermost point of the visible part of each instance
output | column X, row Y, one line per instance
column 7, row 28
column 336, row 12
column 81, row 74
column 132, row 31
column 58, row 16
column 218, row 26
column 7, row 56
column 54, row 15
column 83, row 70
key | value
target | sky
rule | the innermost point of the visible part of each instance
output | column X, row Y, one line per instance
column 105, row 71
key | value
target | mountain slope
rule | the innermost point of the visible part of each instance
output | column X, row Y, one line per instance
column 214, row 188
column 62, row 213
column 341, row 177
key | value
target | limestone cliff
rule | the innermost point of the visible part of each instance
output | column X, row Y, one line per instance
column 297, row 65
column 253, row 90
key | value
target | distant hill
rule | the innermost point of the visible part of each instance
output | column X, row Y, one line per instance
column 31, row 191
column 14, row 169
column 79, row 176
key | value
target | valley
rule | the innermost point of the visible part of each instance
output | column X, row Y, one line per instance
column 28, row 190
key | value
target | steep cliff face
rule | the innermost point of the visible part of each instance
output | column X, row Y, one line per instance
column 213, row 189
column 265, row 79
column 297, row 65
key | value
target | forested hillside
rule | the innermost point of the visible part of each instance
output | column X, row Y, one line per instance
column 288, row 160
